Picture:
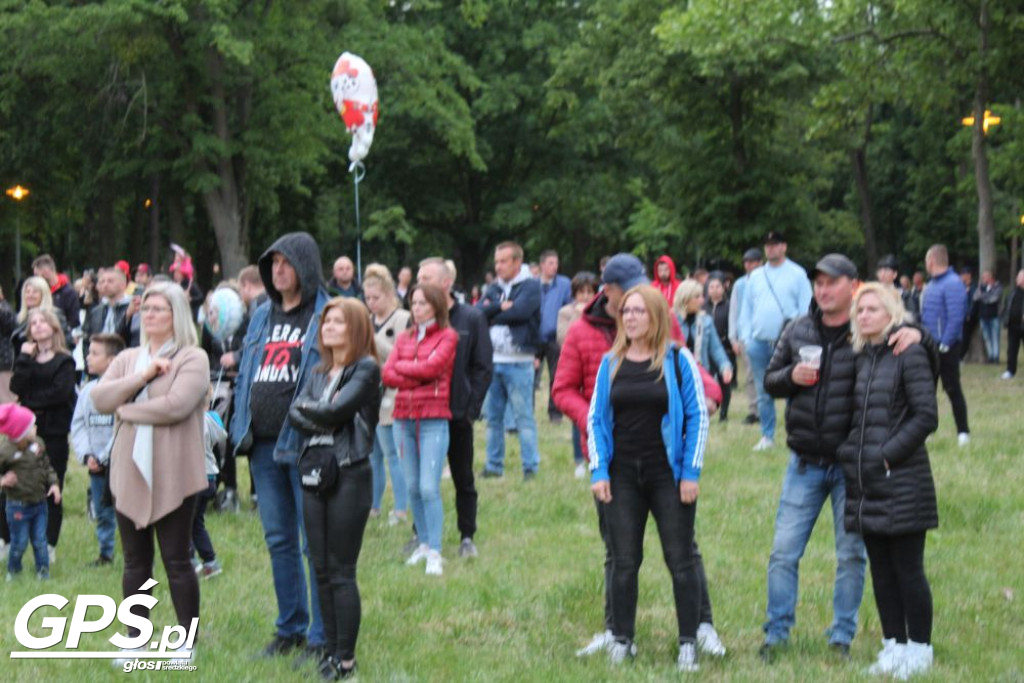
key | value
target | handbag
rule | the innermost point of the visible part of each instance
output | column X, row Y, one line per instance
column 318, row 464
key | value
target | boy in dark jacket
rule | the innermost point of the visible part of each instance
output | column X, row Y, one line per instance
column 27, row 480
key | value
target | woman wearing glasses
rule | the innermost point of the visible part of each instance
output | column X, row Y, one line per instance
column 647, row 432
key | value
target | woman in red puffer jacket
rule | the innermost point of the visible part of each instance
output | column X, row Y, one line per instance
column 420, row 367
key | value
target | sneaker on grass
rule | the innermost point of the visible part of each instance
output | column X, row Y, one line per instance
column 210, row 569
column 686, row 662
column 467, row 548
column 434, row 563
column 418, row 555
column 708, row 640
column 765, row 444
column 599, row 643
column 621, row 652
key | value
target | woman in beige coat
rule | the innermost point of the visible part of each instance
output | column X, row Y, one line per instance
column 158, row 395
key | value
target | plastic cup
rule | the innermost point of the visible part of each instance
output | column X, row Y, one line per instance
column 811, row 355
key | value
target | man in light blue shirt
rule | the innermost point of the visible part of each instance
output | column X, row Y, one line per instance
column 752, row 258
column 774, row 294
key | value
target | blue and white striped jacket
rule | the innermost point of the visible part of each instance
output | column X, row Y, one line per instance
column 684, row 429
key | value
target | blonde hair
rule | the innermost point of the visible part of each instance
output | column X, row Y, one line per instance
column 659, row 329
column 892, row 304
column 378, row 273
column 688, row 289
column 46, row 301
column 60, row 345
column 183, row 330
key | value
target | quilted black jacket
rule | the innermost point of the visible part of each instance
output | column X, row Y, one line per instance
column 889, row 486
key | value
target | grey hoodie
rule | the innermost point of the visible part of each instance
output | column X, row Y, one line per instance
column 92, row 432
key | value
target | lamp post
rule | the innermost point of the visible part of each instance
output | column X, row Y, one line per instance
column 986, row 121
column 17, row 193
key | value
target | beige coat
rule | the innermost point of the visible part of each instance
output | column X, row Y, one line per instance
column 177, row 401
column 385, row 339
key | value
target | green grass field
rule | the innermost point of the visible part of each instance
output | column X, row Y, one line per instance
column 521, row 609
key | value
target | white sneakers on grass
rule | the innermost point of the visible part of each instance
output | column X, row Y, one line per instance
column 418, row 555
column 581, row 470
column 620, row 653
column 687, row 660
column 888, row 657
column 708, row 640
column 765, row 444
column 902, row 660
column 963, row 439
column 599, row 643
column 1006, row 375
column 434, row 563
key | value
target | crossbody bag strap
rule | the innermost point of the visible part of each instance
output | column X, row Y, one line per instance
column 772, row 290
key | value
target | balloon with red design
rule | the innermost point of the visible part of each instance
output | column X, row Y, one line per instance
column 355, row 95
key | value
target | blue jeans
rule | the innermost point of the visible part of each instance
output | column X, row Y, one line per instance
column 577, row 446
column 384, row 449
column 423, row 445
column 512, row 384
column 280, row 507
column 804, row 491
column 28, row 523
column 106, row 523
column 990, row 329
column 760, row 354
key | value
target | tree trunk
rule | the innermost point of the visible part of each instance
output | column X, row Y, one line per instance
column 979, row 153
column 154, row 222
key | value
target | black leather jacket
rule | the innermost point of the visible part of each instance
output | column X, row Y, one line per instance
column 348, row 421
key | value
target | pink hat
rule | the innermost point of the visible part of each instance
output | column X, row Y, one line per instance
column 15, row 421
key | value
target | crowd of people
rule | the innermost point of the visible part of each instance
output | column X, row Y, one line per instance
column 332, row 387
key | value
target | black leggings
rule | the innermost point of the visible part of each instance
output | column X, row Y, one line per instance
column 949, row 371
column 334, row 529
column 57, row 451
column 902, row 594
column 642, row 487
column 174, row 534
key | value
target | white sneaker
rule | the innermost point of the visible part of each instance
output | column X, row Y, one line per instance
column 599, row 643
column 963, row 439
column 1006, row 375
column 917, row 659
column 418, row 555
column 765, row 444
column 687, row 660
column 3, row 551
column 52, row 552
column 708, row 640
column 394, row 519
column 619, row 653
column 889, row 658
column 434, row 563
column 581, row 471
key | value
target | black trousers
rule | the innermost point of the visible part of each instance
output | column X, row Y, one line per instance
column 460, row 462
column 201, row 543
column 642, row 486
column 57, row 452
column 334, row 529
column 548, row 352
column 949, row 370
column 174, row 534
column 902, row 593
column 1013, row 336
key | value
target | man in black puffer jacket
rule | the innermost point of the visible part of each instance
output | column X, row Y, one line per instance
column 819, row 407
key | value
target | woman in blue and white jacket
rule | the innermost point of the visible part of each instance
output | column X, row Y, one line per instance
column 647, row 428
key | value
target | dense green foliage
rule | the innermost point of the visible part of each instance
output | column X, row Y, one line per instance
column 650, row 125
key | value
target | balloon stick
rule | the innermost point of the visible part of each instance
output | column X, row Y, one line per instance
column 357, row 176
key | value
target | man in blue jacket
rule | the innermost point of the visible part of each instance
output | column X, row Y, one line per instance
column 943, row 308
column 278, row 354
column 511, row 305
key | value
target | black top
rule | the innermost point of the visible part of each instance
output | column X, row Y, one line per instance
column 273, row 386
column 639, row 401
column 1015, row 309
column 48, row 390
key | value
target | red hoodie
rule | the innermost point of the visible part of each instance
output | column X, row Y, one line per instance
column 667, row 289
column 62, row 280
column 588, row 339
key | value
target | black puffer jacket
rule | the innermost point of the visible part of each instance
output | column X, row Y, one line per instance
column 817, row 417
column 351, row 415
column 889, row 486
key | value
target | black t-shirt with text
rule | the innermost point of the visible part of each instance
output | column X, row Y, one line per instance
column 277, row 374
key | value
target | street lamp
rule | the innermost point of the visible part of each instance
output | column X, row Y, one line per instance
column 17, row 193
column 986, row 121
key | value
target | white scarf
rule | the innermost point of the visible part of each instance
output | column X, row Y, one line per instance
column 142, row 449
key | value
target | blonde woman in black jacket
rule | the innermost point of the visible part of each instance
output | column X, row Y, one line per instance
column 890, row 494
column 337, row 411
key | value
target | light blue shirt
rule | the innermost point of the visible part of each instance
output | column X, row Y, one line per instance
column 773, row 294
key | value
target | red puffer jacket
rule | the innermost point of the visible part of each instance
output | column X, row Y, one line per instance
column 589, row 338
column 422, row 373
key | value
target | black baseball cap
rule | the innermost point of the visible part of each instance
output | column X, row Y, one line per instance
column 888, row 261
column 836, row 265
column 774, row 237
column 753, row 255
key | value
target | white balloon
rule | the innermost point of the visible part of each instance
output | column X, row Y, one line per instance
column 355, row 96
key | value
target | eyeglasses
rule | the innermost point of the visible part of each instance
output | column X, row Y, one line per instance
column 637, row 311
column 154, row 309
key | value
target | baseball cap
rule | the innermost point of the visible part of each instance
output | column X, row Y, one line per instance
column 888, row 261
column 836, row 265
column 624, row 270
column 753, row 254
column 774, row 237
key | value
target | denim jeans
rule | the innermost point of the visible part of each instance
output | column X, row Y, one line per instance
column 804, row 491
column 280, row 507
column 423, row 445
column 384, row 449
column 990, row 330
column 106, row 523
column 28, row 524
column 335, row 526
column 641, row 487
column 577, row 446
column 511, row 385
column 760, row 354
